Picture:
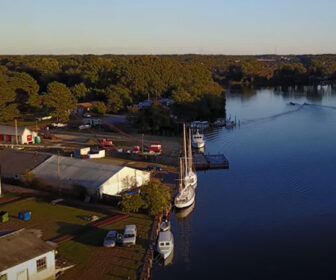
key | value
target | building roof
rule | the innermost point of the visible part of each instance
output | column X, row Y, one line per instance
column 20, row 246
column 10, row 130
column 86, row 173
column 17, row 162
column 85, row 105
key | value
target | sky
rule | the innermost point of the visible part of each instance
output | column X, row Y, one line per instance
column 167, row 26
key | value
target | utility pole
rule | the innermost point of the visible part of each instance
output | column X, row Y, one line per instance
column 58, row 173
column 142, row 143
column 0, row 182
column 16, row 132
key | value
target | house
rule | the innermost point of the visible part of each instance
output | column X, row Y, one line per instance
column 15, row 164
column 23, row 256
column 24, row 135
column 83, row 108
column 97, row 178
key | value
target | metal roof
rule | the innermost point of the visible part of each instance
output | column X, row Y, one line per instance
column 10, row 130
column 76, row 171
column 20, row 246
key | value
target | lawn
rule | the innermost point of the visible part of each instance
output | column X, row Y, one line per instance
column 93, row 261
column 53, row 220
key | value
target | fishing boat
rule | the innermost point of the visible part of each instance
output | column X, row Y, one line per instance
column 165, row 244
column 198, row 140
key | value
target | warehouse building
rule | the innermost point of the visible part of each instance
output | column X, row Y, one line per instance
column 24, row 135
column 23, row 255
column 97, row 178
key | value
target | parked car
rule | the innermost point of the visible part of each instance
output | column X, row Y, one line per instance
column 130, row 234
column 110, row 239
column 153, row 168
column 87, row 115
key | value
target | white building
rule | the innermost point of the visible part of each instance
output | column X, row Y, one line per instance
column 98, row 178
column 24, row 135
column 23, row 256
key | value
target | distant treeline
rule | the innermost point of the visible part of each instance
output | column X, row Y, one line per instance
column 195, row 83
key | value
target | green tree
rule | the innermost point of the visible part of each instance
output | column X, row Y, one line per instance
column 156, row 197
column 59, row 100
column 79, row 91
column 99, row 107
column 131, row 203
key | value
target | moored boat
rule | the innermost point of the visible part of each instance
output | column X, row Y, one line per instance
column 198, row 140
column 165, row 244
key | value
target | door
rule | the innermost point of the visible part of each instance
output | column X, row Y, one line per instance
column 22, row 275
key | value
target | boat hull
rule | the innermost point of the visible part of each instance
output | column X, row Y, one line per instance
column 180, row 204
column 198, row 145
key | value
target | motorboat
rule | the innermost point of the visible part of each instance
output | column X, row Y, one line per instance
column 198, row 140
column 165, row 225
column 165, row 244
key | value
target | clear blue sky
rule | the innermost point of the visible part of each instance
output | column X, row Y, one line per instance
column 167, row 26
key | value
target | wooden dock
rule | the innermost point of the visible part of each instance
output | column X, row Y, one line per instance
column 205, row 162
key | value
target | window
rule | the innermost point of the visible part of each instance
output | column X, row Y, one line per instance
column 41, row 264
column 3, row 277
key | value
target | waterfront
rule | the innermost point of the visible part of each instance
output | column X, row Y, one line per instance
column 272, row 214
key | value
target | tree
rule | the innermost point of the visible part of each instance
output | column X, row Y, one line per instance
column 59, row 100
column 99, row 107
column 79, row 91
column 156, row 197
column 131, row 203
column 118, row 98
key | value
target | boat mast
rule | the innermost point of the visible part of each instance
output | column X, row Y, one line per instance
column 189, row 152
column 180, row 176
column 185, row 150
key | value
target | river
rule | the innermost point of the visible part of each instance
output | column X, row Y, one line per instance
column 272, row 215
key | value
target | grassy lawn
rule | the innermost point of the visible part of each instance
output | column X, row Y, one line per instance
column 53, row 220
column 93, row 261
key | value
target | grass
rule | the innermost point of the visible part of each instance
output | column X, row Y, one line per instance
column 53, row 220
column 93, row 261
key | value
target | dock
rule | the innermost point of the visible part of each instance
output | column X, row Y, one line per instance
column 205, row 162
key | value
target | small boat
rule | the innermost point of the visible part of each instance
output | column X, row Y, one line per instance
column 165, row 225
column 230, row 124
column 165, row 244
column 292, row 103
column 198, row 140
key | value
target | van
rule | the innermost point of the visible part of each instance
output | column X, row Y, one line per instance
column 129, row 237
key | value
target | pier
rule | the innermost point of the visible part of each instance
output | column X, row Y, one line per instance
column 205, row 162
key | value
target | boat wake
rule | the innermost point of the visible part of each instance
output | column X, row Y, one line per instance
column 270, row 118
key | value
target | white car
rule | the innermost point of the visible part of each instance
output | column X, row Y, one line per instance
column 110, row 239
column 130, row 234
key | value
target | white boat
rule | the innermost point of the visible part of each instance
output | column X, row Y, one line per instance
column 187, row 178
column 185, row 197
column 165, row 244
column 181, row 214
column 198, row 140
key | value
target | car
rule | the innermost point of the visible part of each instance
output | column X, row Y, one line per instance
column 110, row 239
column 87, row 115
column 153, row 168
column 130, row 234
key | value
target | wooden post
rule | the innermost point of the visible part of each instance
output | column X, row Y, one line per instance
column 16, row 132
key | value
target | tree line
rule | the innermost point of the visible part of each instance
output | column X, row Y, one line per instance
column 31, row 85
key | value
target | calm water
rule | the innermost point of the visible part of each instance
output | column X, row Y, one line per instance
column 272, row 215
